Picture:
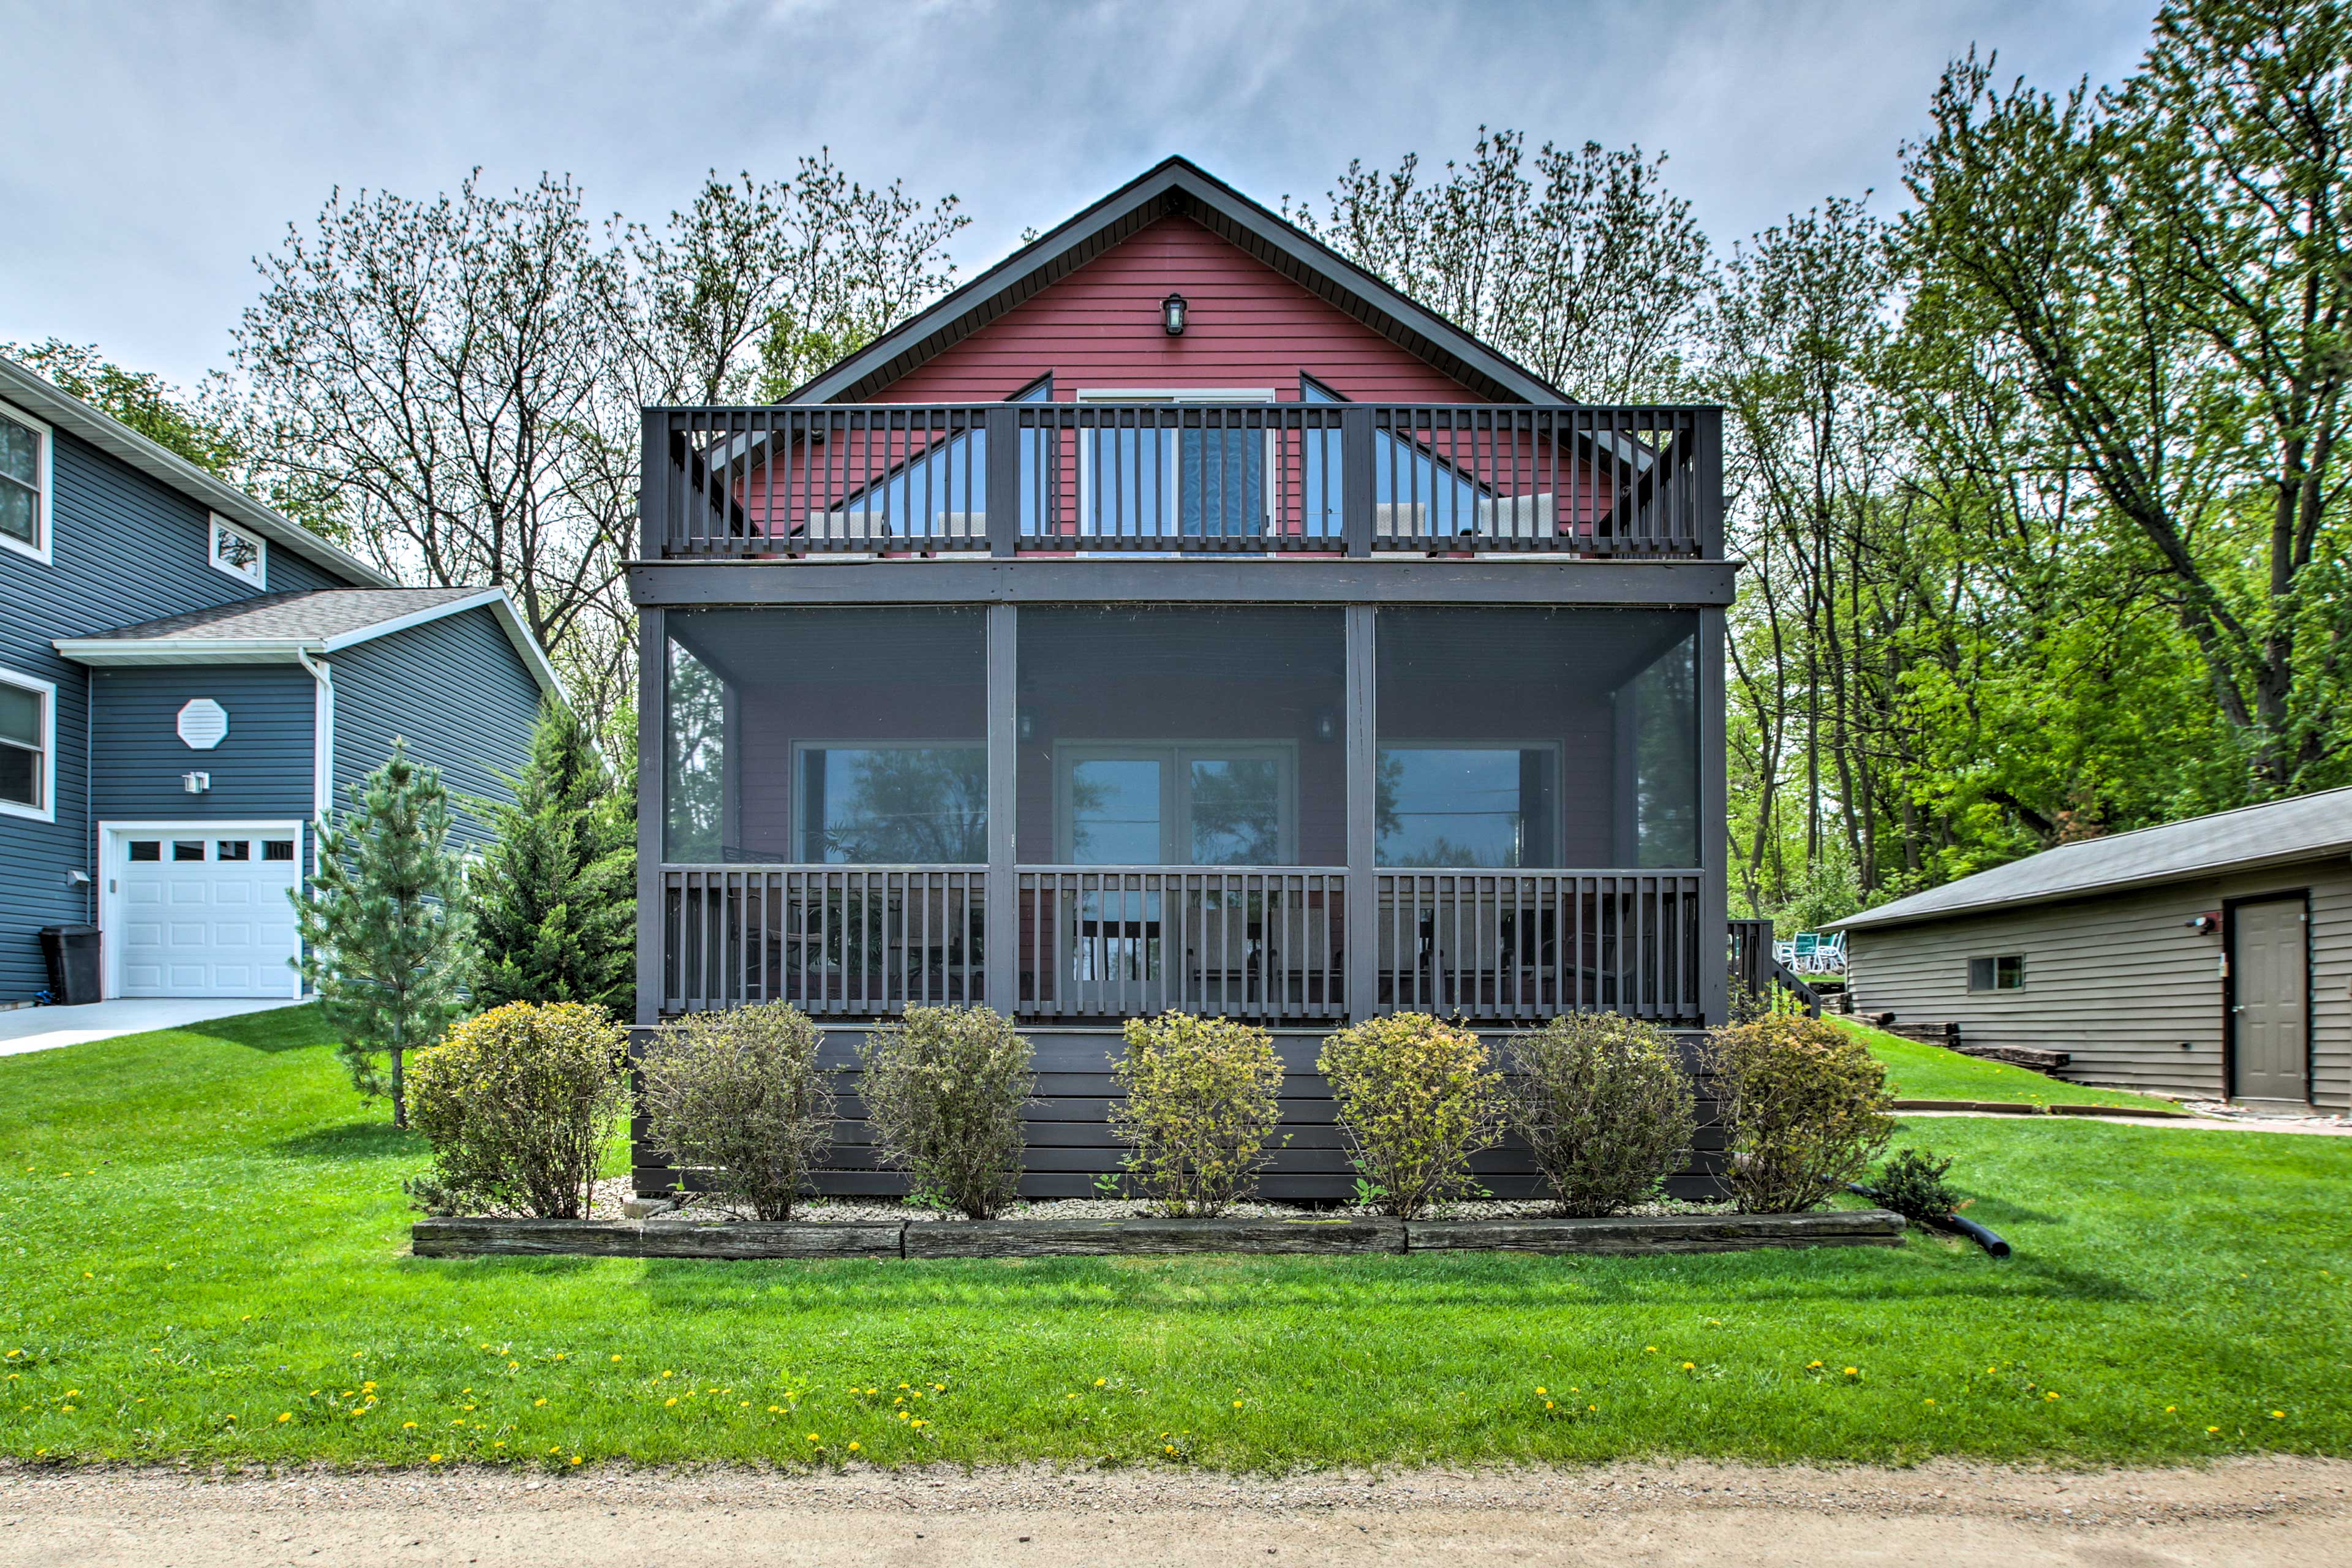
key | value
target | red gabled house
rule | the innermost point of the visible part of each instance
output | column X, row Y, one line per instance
column 1177, row 616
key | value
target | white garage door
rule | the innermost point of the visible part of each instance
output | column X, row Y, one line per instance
column 201, row 910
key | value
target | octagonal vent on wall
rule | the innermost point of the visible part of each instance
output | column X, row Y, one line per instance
column 204, row 723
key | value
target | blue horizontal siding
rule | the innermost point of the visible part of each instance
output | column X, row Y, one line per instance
column 124, row 548
column 456, row 690
column 262, row 770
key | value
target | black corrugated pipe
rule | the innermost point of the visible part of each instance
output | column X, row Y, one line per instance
column 1988, row 1239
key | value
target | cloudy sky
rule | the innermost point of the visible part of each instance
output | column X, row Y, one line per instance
column 153, row 150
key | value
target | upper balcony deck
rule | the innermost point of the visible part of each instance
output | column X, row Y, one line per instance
column 1104, row 477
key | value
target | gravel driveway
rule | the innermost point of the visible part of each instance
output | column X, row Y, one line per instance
column 2251, row 1512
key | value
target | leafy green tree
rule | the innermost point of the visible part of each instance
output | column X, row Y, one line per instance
column 554, row 904
column 139, row 398
column 384, row 931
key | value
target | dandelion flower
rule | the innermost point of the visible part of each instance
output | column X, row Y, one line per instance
column 617, row 1357
column 853, row 1448
column 2213, row 1428
column 285, row 1416
column 1101, row 1381
column 1690, row 1366
column 1853, row 1372
column 2278, row 1414
column 1238, row 1403
column 406, row 1424
column 432, row 1458
column 538, row 1402
column 671, row 1400
column 575, row 1459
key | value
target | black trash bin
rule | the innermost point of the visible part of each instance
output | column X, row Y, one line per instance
column 72, row 952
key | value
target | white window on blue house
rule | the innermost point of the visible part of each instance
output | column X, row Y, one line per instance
column 28, row 747
column 239, row 553
column 25, row 448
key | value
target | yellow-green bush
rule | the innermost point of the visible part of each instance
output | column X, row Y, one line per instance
column 1804, row 1106
column 1417, row 1098
column 737, row 1094
column 944, row 1094
column 1606, row 1107
column 519, row 1104
column 1203, row 1097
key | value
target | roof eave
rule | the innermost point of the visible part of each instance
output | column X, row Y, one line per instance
column 1888, row 919
column 1170, row 175
column 110, row 434
column 131, row 652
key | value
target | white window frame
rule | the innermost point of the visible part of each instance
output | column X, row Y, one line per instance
column 257, row 573
column 46, row 692
column 1169, row 461
column 1175, row 789
column 1559, row 823
column 45, row 447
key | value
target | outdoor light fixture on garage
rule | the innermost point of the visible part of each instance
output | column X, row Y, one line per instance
column 1171, row 314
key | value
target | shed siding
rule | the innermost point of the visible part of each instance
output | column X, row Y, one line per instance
column 124, row 548
column 2121, row 982
column 456, row 690
column 1249, row 327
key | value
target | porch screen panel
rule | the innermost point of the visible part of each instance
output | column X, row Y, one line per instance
column 841, row 737
column 1524, row 739
column 1190, row 737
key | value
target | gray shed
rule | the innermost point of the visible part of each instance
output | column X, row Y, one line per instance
column 2205, row 958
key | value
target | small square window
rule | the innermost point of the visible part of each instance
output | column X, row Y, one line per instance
column 146, row 849
column 233, row 849
column 2003, row 972
column 277, row 850
column 239, row 553
column 188, row 850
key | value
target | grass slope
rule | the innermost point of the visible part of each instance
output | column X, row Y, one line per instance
column 1915, row 1070
column 202, row 1256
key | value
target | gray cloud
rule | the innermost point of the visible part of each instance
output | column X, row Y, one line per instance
column 153, row 150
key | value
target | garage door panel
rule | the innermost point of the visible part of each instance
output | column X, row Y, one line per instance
column 208, row 926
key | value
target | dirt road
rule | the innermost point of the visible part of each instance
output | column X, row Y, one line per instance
column 2251, row 1512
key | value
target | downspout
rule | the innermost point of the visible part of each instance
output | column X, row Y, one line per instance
column 322, row 746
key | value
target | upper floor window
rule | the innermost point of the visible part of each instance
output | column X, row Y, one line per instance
column 24, row 483
column 239, row 553
column 29, row 749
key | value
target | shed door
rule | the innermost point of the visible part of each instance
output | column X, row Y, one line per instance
column 202, row 910
column 2269, row 974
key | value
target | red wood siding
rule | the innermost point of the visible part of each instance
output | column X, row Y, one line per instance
column 1250, row 326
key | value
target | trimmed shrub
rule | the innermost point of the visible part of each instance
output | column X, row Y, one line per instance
column 1911, row 1183
column 1418, row 1097
column 519, row 1104
column 740, row 1095
column 1202, row 1099
column 1804, row 1106
column 944, row 1092
column 1603, row 1102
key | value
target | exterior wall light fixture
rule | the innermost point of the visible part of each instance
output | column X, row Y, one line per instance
column 1172, row 310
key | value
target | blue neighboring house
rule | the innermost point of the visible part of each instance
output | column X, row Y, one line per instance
column 187, row 681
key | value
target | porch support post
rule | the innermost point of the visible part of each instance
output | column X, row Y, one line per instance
column 1714, row 828
column 653, row 725
column 1358, row 478
column 1000, row 929
column 1362, row 719
column 1002, row 433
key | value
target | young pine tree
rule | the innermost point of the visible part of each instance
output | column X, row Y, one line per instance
column 384, row 931
column 555, row 897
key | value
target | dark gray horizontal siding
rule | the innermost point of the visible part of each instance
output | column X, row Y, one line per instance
column 1068, row 1140
column 264, row 769
column 2122, row 984
column 124, row 548
column 455, row 690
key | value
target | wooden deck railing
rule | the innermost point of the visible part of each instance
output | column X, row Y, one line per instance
column 1103, row 941
column 855, row 941
column 1323, row 478
column 1496, row 946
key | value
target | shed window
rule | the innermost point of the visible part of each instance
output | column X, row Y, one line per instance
column 27, row 746
column 239, row 553
column 2005, row 973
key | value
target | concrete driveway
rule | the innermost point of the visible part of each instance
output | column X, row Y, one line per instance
column 23, row 1029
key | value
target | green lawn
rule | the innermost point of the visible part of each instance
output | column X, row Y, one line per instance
column 202, row 1256
column 1918, row 1071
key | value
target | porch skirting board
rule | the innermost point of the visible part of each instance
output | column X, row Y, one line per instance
column 1337, row 1236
